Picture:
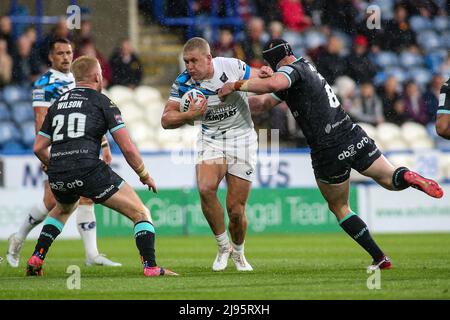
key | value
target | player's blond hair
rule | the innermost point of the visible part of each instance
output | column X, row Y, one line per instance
column 83, row 67
column 197, row 43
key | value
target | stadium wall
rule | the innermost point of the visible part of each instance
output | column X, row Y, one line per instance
column 284, row 199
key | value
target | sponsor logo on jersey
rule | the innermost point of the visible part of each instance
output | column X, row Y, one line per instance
column 223, row 77
column 38, row 95
column 118, row 118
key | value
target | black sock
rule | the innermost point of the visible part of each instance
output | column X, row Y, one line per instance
column 357, row 229
column 144, row 234
column 398, row 180
column 48, row 235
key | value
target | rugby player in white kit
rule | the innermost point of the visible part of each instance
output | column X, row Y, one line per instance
column 227, row 144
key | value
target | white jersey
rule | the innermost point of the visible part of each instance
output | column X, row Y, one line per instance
column 229, row 118
column 50, row 86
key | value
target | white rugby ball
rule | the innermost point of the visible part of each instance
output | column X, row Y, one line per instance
column 191, row 95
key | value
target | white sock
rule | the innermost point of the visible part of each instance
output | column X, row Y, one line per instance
column 37, row 214
column 222, row 240
column 238, row 248
column 87, row 228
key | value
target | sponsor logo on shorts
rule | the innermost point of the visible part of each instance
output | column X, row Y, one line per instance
column 373, row 152
column 249, row 172
column 351, row 149
column 101, row 195
column 61, row 186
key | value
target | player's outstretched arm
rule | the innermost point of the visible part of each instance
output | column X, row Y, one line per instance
column 443, row 125
column 274, row 83
column 172, row 118
column 262, row 103
column 133, row 157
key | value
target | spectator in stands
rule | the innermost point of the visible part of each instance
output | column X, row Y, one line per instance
column 88, row 48
column 84, row 34
column 367, row 107
column 414, row 104
column 6, row 32
column 398, row 114
column 389, row 95
column 25, row 68
column 276, row 30
column 340, row 14
column 268, row 9
column 398, row 34
column 246, row 10
column 345, row 88
column 359, row 67
column 59, row 31
column 125, row 66
column 431, row 97
column 227, row 47
column 253, row 43
column 6, row 63
column 31, row 34
column 329, row 61
column 293, row 15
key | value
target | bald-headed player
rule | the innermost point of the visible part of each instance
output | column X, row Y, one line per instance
column 56, row 81
column 337, row 144
column 443, row 113
column 227, row 144
column 74, row 126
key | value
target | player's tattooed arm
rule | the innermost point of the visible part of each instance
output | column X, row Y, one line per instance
column 172, row 118
column 106, row 151
column 262, row 103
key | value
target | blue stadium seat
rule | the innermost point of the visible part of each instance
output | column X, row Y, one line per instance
column 400, row 74
column 12, row 94
column 8, row 132
column 28, row 133
column 386, row 7
column 435, row 58
column 409, row 59
column 445, row 40
column 386, row 59
column 12, row 147
column 22, row 111
column 422, row 76
column 379, row 78
column 5, row 114
column 314, row 39
column 428, row 40
column 441, row 23
column 419, row 23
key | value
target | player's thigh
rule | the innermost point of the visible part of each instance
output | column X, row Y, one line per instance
column 127, row 202
column 238, row 191
column 209, row 174
column 381, row 171
column 336, row 195
column 49, row 198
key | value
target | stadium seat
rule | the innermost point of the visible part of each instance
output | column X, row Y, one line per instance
column 121, row 95
column 22, row 111
column 441, row 23
column 369, row 129
column 12, row 147
column 314, row 39
column 428, row 40
column 411, row 131
column 387, row 8
column 397, row 144
column 421, row 143
column 421, row 76
column 388, row 132
column 5, row 114
column 139, row 131
column 8, row 132
column 28, row 133
column 445, row 40
column 399, row 73
column 153, row 112
column 130, row 112
column 410, row 60
column 12, row 94
column 145, row 95
column 402, row 159
column 386, row 59
column 435, row 58
column 419, row 23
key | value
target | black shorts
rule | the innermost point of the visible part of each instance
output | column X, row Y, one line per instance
column 97, row 183
column 333, row 165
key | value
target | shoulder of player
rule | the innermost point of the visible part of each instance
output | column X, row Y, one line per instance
column 43, row 80
column 183, row 77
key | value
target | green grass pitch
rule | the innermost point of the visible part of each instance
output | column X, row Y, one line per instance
column 325, row 266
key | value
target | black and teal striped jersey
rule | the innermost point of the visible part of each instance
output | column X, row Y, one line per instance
column 50, row 86
column 75, row 124
column 444, row 99
column 314, row 105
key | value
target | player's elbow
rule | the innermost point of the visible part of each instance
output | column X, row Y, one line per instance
column 164, row 122
column 443, row 127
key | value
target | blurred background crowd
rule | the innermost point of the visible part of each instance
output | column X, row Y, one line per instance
column 391, row 74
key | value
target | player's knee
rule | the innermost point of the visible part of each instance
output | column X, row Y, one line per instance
column 236, row 212
column 207, row 190
column 338, row 208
